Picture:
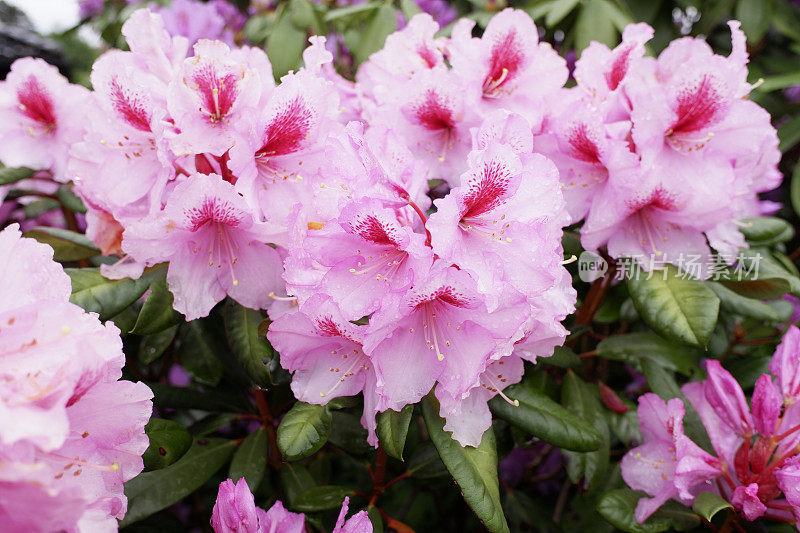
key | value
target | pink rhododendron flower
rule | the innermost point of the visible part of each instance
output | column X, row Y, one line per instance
column 43, row 116
column 754, row 464
column 70, row 431
column 235, row 511
column 213, row 244
column 201, row 20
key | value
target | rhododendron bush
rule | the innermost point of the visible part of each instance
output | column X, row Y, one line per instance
column 355, row 267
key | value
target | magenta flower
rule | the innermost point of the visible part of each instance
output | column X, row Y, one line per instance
column 785, row 365
column 214, row 245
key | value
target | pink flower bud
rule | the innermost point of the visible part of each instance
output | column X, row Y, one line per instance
column 726, row 397
column 745, row 499
column 766, row 406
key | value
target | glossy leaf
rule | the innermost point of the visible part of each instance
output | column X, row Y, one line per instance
column 150, row 492
column 250, row 460
column 321, row 498
column 634, row 348
column 169, row 441
column 542, row 417
column 766, row 231
column 708, row 504
column 107, row 298
column 303, row 430
column 157, row 313
column 740, row 305
column 67, row 245
column 678, row 307
column 473, row 469
column 617, row 508
column 586, row 468
column 250, row 347
column 198, row 352
column 393, row 429
column 151, row 347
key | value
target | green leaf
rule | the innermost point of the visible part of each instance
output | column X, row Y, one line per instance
column 755, row 16
column 303, row 430
column 586, row 468
column 150, row 492
column 563, row 357
column 634, row 348
column 594, row 24
column 250, row 347
column 295, row 480
column 107, row 298
column 617, row 508
column 766, row 231
column 393, row 429
column 67, row 245
column 351, row 11
column 285, row 44
column 169, row 441
column 13, row 175
column 151, row 347
column 740, row 305
column 379, row 26
column 321, row 498
column 409, row 8
column 759, row 289
column 789, row 133
column 795, row 190
column 69, row 199
column 557, row 10
column 425, row 462
column 197, row 352
column 473, row 469
column 779, row 81
column 348, row 434
column 250, row 460
column 678, row 307
column 157, row 313
column 762, row 264
column 708, row 504
column 188, row 398
column 543, row 418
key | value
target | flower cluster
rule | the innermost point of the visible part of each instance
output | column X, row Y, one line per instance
column 661, row 156
column 754, row 463
column 235, row 511
column 70, row 431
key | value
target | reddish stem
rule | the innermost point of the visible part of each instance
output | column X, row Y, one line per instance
column 424, row 219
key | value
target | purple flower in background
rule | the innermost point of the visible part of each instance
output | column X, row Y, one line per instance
column 792, row 93
column 199, row 20
column 89, row 8
column 441, row 10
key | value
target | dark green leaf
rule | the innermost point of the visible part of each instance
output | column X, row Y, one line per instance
column 740, row 305
column 321, row 498
column 617, row 508
column 794, row 192
column 96, row 294
column 594, row 24
column 348, row 434
column 67, row 245
column 543, row 418
column 250, row 460
column 188, row 398
column 303, row 430
column 295, row 480
column 473, row 469
column 151, row 347
column 759, row 289
column 789, row 133
column 247, row 343
column 425, row 462
column 69, row 199
column 586, row 468
column 708, row 504
column 150, row 492
column 13, row 175
column 563, row 357
column 393, row 429
column 766, row 231
column 168, row 442
column 285, row 44
column 157, row 313
column 558, row 10
column 754, row 16
column 634, row 348
column 679, row 307
column 197, row 352
column 382, row 23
